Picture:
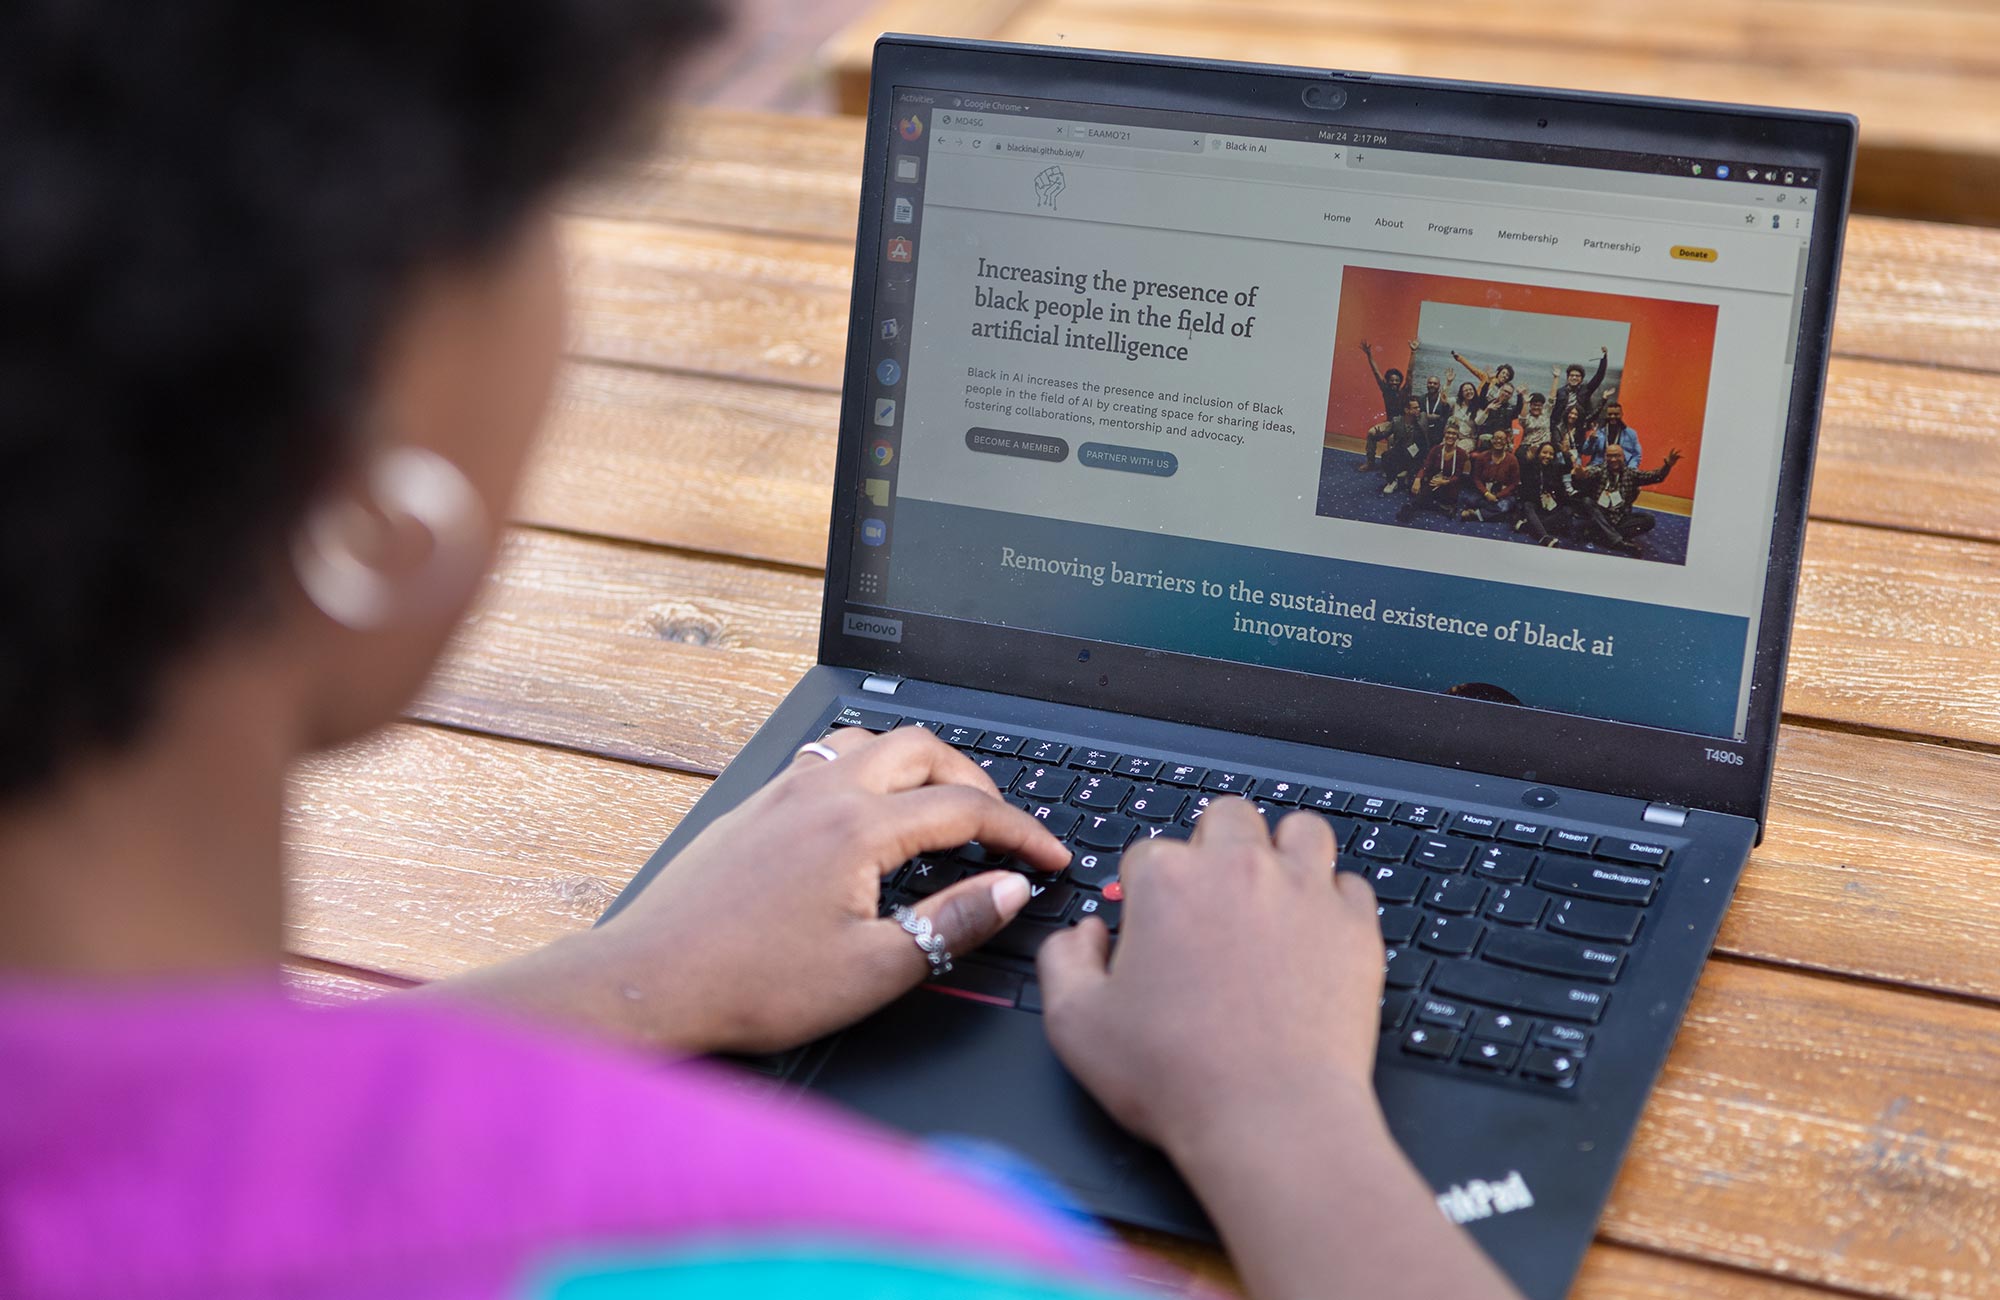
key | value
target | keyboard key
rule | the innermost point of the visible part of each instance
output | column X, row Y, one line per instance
column 1461, row 895
column 958, row 737
column 1442, row 853
column 1183, row 774
column 1568, row 841
column 1197, row 806
column 926, row 877
column 1636, row 852
column 1105, row 792
column 1371, row 807
column 1516, row 991
column 1530, row 833
column 1490, row 1056
column 1427, row 816
column 1134, row 765
column 1031, row 996
column 1454, row 936
column 1044, row 751
column 1553, row 956
column 1396, row 884
column 1093, row 760
column 1060, row 821
column 1504, row 1027
column 999, row 742
column 1094, row 867
column 1517, row 905
column 1438, row 1044
column 1443, row 1011
column 1405, row 968
column 1275, row 790
column 1102, row 908
column 974, row 854
column 1272, row 814
column 1325, row 798
column 1588, row 880
column 1399, row 923
column 1382, row 843
column 1478, row 825
column 1045, row 784
column 1105, row 831
column 1503, row 863
column 1219, row 782
column 1163, row 831
column 1564, row 1038
column 931, row 725
column 1023, row 938
column 1395, row 1005
column 1588, row 920
column 1547, row 1064
column 1155, row 803
column 1003, row 771
column 866, row 719
column 1048, row 899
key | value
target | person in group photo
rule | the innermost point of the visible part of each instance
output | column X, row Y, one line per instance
column 1572, row 393
column 1547, row 511
column 1607, row 494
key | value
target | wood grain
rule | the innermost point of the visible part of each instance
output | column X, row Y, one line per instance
column 1910, row 291
column 431, row 852
column 1633, row 48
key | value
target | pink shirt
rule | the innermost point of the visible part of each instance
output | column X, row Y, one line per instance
column 224, row 1142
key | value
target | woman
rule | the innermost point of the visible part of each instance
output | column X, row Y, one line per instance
column 1544, row 496
column 284, row 309
column 1499, row 401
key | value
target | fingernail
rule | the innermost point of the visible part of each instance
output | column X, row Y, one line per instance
column 1010, row 894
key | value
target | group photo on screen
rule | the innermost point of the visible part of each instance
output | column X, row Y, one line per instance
column 1517, row 413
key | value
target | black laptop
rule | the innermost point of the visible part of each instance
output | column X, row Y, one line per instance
column 1429, row 455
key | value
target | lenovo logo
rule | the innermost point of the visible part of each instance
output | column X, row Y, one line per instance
column 875, row 629
column 1479, row 1199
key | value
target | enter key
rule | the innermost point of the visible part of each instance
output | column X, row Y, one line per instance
column 1553, row 956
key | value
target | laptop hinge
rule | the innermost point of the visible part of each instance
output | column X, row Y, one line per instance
column 880, row 683
column 1666, row 814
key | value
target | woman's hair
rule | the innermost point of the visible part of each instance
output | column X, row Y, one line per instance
column 210, row 210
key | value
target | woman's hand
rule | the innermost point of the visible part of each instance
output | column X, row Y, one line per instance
column 762, row 933
column 1247, row 981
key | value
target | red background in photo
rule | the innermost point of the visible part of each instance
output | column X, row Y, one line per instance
column 1667, row 355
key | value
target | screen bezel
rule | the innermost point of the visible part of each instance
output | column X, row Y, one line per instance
column 1648, row 763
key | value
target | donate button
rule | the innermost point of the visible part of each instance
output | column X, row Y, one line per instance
column 1133, row 460
column 1028, row 446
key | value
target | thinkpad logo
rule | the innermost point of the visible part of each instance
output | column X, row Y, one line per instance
column 1479, row 1199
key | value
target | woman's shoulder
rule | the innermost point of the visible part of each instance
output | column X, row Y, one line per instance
column 247, row 1140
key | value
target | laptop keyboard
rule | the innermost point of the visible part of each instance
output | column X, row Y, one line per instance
column 1506, row 938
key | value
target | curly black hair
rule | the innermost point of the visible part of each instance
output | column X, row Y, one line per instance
column 209, row 211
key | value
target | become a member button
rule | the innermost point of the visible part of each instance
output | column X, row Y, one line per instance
column 1689, row 253
column 1028, row 446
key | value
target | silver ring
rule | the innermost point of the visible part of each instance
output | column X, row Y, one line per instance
column 826, row 752
column 929, row 941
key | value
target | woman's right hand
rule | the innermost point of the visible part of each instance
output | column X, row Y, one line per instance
column 1248, row 977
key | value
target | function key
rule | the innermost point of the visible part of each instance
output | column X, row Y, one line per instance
column 1476, row 824
column 1047, row 784
column 931, row 725
column 1637, row 852
column 1183, row 774
column 1105, row 792
column 1133, row 765
column 1427, row 816
column 1094, row 760
column 1325, row 798
column 1523, row 833
column 1549, row 1065
column 1229, row 782
column 1568, row 841
column 958, row 737
column 1273, row 790
column 1155, row 803
column 1003, row 771
column 999, row 742
column 866, row 719
column 1490, row 1056
column 1043, row 751
column 1372, row 807
column 1564, row 1038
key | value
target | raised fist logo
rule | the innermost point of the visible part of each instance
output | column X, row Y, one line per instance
column 1047, row 186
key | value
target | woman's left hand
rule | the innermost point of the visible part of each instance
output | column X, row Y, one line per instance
column 763, row 934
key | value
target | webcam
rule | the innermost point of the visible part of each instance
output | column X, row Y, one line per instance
column 1324, row 98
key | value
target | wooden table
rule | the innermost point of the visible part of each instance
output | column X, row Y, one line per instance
column 1920, row 74
column 1830, row 1118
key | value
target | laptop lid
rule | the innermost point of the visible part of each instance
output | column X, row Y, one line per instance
column 1128, row 332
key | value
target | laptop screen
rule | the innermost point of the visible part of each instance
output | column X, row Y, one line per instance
column 1457, row 415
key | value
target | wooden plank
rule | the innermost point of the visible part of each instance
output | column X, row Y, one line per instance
column 426, row 852
column 743, row 469
column 852, row 48
column 775, row 305
column 1891, row 87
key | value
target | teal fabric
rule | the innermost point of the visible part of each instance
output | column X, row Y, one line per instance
column 818, row 1272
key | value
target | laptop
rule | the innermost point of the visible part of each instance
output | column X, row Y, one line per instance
column 1433, row 456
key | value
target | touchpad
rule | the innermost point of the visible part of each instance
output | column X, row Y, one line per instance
column 936, row 1064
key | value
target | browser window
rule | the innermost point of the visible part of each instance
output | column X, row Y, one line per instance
column 1461, row 416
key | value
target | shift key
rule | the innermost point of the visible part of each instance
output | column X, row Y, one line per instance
column 1515, row 991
